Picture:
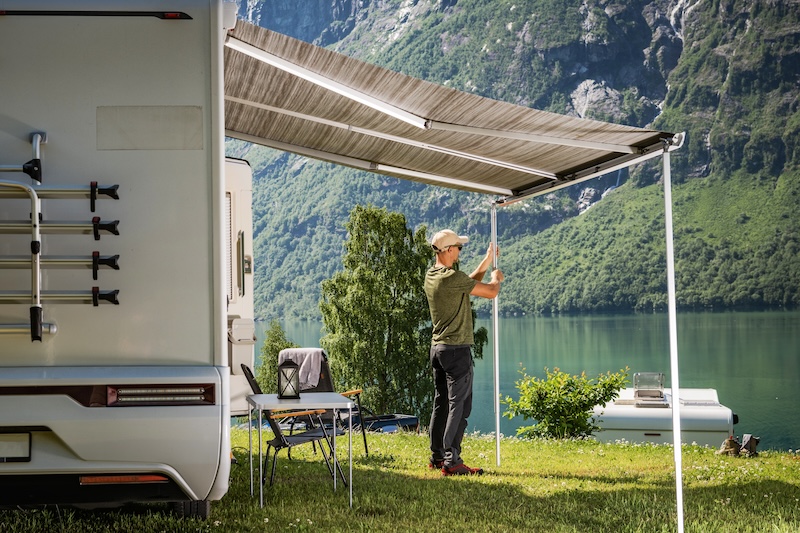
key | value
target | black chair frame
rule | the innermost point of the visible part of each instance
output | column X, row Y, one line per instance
column 281, row 441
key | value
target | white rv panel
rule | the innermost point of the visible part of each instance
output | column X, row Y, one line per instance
column 239, row 254
column 131, row 374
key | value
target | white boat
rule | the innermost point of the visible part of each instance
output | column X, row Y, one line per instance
column 644, row 414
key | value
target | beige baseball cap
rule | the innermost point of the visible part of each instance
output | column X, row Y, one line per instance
column 445, row 238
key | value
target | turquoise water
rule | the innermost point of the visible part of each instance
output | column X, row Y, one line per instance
column 752, row 359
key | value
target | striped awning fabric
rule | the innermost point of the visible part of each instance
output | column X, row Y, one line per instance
column 294, row 96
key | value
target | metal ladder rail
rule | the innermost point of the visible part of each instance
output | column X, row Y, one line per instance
column 21, row 329
column 62, row 261
column 95, row 296
column 93, row 192
column 36, row 314
column 32, row 168
column 95, row 226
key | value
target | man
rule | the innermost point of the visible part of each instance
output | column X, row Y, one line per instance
column 448, row 291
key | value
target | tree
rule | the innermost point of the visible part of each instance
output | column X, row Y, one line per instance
column 267, row 372
column 375, row 314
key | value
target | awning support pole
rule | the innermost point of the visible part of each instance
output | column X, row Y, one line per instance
column 496, row 342
column 673, row 342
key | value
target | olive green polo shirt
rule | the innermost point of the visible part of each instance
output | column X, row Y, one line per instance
column 451, row 310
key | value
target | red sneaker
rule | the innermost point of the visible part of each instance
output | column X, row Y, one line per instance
column 436, row 464
column 461, row 470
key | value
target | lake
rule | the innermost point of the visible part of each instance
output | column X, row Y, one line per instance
column 752, row 359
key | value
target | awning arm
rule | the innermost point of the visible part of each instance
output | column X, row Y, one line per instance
column 656, row 150
column 327, row 83
column 394, row 138
column 370, row 166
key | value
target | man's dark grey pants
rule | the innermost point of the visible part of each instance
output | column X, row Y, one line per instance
column 452, row 401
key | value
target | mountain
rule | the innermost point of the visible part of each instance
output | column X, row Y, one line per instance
column 726, row 72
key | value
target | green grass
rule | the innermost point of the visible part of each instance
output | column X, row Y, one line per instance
column 540, row 486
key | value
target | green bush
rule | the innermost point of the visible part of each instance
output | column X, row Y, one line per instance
column 561, row 404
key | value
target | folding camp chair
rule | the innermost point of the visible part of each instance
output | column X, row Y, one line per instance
column 281, row 440
column 315, row 376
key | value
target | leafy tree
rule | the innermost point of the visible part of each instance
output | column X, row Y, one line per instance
column 562, row 404
column 375, row 313
column 267, row 372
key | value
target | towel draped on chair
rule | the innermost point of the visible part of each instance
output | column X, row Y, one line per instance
column 310, row 362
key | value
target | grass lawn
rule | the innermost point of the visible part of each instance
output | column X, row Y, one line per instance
column 540, row 486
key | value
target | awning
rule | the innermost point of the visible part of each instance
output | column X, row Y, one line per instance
column 290, row 95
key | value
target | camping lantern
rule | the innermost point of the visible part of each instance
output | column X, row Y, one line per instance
column 288, row 380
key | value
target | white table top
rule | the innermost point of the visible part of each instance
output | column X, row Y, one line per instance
column 307, row 400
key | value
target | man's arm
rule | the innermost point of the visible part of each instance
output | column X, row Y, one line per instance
column 484, row 265
column 491, row 289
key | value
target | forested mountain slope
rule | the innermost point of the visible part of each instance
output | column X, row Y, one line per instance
column 726, row 72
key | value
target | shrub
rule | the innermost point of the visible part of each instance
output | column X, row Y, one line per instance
column 561, row 404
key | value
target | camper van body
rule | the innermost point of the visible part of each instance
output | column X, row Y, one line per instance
column 119, row 326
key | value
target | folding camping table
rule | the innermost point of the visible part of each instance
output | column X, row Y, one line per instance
column 318, row 400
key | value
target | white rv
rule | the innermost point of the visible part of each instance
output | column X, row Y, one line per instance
column 125, row 254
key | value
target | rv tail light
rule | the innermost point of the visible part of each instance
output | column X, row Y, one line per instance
column 138, row 395
column 122, row 479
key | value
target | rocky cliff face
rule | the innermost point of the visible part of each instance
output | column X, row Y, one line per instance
column 321, row 22
column 622, row 61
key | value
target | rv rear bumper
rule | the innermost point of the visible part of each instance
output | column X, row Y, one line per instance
column 82, row 454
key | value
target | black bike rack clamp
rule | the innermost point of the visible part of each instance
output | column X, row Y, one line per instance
column 95, row 191
column 99, row 225
column 108, row 296
column 97, row 262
